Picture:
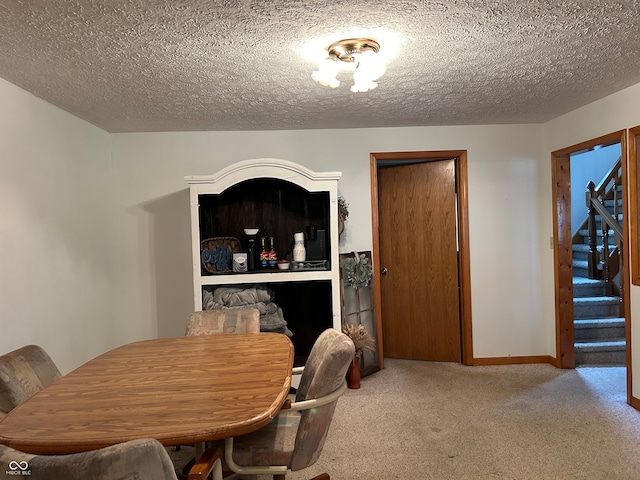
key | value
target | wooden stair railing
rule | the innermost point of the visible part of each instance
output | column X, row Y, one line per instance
column 611, row 257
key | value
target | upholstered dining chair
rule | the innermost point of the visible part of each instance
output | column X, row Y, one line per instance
column 24, row 372
column 295, row 438
column 227, row 320
column 218, row 321
column 144, row 459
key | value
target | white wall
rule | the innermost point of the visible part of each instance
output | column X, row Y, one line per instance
column 586, row 167
column 511, row 313
column 54, row 250
column 94, row 228
column 616, row 112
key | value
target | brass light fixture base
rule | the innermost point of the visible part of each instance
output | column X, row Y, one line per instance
column 344, row 50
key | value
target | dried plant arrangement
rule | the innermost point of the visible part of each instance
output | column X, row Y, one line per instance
column 343, row 208
column 361, row 338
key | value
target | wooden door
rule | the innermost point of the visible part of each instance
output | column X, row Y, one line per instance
column 418, row 249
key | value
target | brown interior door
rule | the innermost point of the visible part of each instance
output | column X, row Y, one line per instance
column 418, row 249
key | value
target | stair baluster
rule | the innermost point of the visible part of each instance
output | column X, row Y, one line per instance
column 616, row 208
column 606, row 269
column 592, row 256
column 621, row 287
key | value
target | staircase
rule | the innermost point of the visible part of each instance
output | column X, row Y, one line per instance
column 599, row 328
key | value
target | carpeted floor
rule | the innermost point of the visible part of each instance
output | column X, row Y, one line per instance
column 428, row 420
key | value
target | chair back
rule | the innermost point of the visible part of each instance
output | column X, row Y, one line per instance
column 227, row 320
column 324, row 373
column 24, row 372
column 144, row 459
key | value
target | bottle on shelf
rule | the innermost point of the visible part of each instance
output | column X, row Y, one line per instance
column 299, row 252
column 264, row 255
column 273, row 257
column 252, row 253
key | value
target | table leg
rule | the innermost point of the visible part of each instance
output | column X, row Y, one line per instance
column 199, row 450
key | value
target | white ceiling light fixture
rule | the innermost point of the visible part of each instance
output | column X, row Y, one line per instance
column 361, row 54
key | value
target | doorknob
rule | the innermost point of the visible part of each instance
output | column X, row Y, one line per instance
column 384, row 271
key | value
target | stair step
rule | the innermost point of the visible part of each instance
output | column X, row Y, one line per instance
column 599, row 300
column 584, row 233
column 587, row 281
column 613, row 346
column 600, row 353
column 586, row 287
column 598, row 329
column 582, row 267
column 598, row 218
column 581, row 250
column 611, row 203
column 606, row 322
column 596, row 307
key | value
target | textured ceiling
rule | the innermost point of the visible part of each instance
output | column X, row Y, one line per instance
column 150, row 65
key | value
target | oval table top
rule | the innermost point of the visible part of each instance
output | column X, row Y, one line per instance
column 179, row 391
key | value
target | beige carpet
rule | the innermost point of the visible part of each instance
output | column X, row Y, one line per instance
column 427, row 420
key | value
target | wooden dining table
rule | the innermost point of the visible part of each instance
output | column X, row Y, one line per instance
column 180, row 391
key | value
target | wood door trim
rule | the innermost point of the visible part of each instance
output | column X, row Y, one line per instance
column 561, row 195
column 634, row 214
column 563, row 260
column 464, row 269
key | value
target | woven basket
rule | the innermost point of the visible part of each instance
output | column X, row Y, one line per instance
column 217, row 253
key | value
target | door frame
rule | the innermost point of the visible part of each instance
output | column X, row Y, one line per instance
column 464, row 269
column 562, row 250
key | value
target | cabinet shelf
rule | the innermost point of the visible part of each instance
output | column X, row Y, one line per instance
column 265, row 277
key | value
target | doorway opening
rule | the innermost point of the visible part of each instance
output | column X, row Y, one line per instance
column 598, row 256
column 434, row 264
column 601, row 255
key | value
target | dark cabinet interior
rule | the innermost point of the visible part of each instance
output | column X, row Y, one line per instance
column 307, row 310
column 306, row 306
column 277, row 207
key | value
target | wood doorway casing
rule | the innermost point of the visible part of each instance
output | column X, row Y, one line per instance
column 562, row 247
column 460, row 157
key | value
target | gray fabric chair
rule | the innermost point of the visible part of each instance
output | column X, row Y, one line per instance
column 295, row 438
column 24, row 372
column 227, row 320
column 145, row 459
column 220, row 321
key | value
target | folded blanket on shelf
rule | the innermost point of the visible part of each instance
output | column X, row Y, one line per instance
column 263, row 308
column 274, row 322
column 238, row 297
column 271, row 316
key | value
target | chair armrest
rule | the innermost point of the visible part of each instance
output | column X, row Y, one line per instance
column 318, row 402
column 211, row 459
column 278, row 470
column 297, row 370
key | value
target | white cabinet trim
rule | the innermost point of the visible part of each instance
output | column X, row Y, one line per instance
column 265, row 168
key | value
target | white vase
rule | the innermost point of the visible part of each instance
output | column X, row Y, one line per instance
column 299, row 252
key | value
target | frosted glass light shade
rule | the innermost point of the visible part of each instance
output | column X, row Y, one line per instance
column 370, row 65
column 358, row 55
column 369, row 68
column 326, row 73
